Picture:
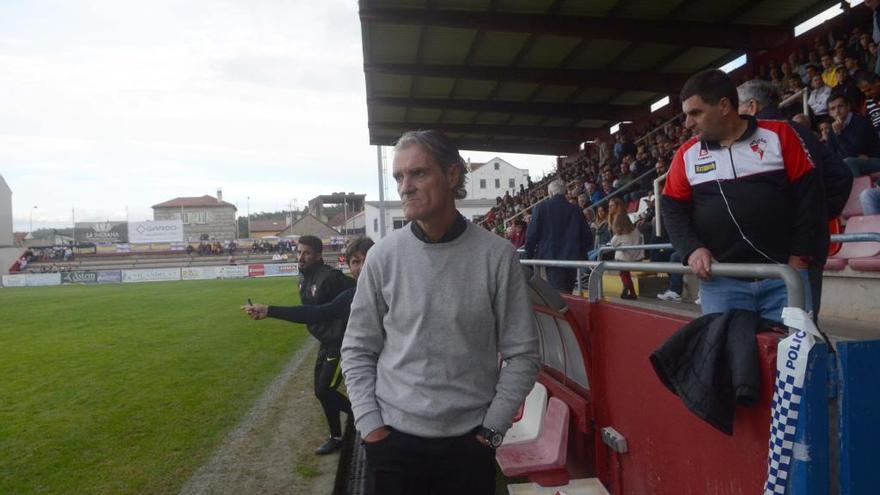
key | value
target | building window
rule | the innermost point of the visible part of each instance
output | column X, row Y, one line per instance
column 511, row 183
column 399, row 223
column 497, row 166
column 497, row 183
column 375, row 225
column 482, row 183
column 193, row 217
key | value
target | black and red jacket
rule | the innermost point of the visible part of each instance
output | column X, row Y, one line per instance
column 772, row 188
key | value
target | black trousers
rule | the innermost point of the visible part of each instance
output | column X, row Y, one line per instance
column 563, row 279
column 328, row 376
column 402, row 464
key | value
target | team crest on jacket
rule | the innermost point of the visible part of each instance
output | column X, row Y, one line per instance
column 758, row 145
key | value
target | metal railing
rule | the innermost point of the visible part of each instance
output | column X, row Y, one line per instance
column 861, row 237
column 637, row 247
column 789, row 275
column 658, row 189
column 793, row 282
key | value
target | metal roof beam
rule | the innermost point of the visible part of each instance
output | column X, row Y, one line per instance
column 496, row 145
column 636, row 81
column 717, row 35
column 562, row 110
column 571, row 134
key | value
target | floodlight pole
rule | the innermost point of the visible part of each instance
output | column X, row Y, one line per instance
column 381, row 192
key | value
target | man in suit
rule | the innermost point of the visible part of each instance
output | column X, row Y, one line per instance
column 558, row 231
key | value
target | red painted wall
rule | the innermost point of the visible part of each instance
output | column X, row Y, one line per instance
column 671, row 451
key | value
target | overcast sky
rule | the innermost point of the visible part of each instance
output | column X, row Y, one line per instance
column 111, row 106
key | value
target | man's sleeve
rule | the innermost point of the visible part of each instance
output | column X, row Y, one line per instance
column 809, row 198
column 533, row 233
column 361, row 346
column 339, row 307
column 517, row 340
column 836, row 177
column 334, row 284
column 676, row 203
column 850, row 142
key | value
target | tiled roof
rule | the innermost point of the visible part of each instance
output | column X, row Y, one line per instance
column 200, row 201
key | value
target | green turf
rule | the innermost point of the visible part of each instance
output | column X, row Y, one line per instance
column 128, row 388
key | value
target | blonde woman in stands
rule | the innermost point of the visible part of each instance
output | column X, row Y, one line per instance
column 626, row 234
column 601, row 232
column 615, row 207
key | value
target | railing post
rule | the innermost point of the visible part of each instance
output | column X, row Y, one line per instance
column 595, row 285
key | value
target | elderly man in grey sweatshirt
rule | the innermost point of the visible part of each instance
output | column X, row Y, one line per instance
column 437, row 302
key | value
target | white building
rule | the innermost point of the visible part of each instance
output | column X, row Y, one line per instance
column 8, row 253
column 6, row 238
column 494, row 178
column 471, row 209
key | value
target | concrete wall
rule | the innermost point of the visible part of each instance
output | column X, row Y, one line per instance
column 8, row 255
column 220, row 223
column 851, row 295
column 6, row 238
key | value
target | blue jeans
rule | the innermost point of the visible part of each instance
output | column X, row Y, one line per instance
column 862, row 166
column 766, row 297
column 870, row 199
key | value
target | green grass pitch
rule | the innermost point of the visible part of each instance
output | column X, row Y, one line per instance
column 128, row 388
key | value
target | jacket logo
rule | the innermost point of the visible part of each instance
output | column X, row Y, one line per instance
column 758, row 146
column 703, row 153
column 705, row 168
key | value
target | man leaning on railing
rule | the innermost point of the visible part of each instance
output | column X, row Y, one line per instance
column 741, row 191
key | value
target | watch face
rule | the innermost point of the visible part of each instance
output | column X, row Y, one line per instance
column 496, row 439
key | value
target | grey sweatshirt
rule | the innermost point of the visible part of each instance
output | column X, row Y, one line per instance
column 420, row 353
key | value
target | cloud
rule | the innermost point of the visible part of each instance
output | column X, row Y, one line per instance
column 109, row 104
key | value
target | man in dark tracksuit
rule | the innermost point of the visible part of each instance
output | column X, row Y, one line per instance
column 327, row 369
column 319, row 284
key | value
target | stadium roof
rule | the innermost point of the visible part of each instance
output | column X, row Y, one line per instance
column 542, row 76
column 200, row 201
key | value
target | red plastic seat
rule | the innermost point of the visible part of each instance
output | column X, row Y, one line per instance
column 519, row 412
column 858, row 255
column 853, row 204
column 859, row 225
column 543, row 460
column 866, row 264
column 632, row 206
column 835, row 264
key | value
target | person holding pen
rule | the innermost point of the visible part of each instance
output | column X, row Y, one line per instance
column 326, row 320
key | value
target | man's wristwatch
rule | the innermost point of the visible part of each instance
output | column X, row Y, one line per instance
column 493, row 437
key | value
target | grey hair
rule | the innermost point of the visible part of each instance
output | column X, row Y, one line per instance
column 556, row 187
column 442, row 151
column 761, row 91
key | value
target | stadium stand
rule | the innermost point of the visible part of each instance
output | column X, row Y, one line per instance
column 601, row 172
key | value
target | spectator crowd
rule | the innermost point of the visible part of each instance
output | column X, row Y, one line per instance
column 829, row 84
